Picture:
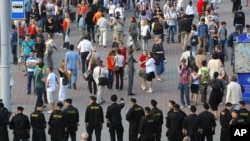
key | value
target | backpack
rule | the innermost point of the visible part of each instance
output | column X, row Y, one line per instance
column 191, row 61
column 194, row 40
column 204, row 75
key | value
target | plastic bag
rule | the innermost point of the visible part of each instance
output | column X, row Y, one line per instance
column 130, row 41
column 67, row 38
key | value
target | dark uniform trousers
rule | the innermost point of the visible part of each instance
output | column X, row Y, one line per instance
column 195, row 136
column 175, row 136
column 57, row 134
column 97, row 127
column 148, row 137
column 208, row 134
column 116, row 129
column 225, row 134
column 158, row 133
column 21, row 135
column 38, row 134
column 71, row 131
column 133, row 131
column 4, row 133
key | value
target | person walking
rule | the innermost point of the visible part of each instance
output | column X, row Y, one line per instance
column 20, row 124
column 202, row 34
column 38, row 124
column 114, row 119
column 13, row 43
column 195, row 82
column 50, row 46
column 71, row 60
column 131, row 71
column 63, row 75
column 234, row 92
column 225, row 118
column 102, row 24
column 204, row 81
column 158, row 118
column 133, row 116
column 83, row 27
column 239, row 19
column 144, row 30
column 99, row 72
column 90, row 24
column 66, row 30
column 171, row 18
column 51, row 84
column 159, row 57
column 27, row 46
column 110, row 61
column 94, row 119
column 71, row 120
column 57, row 124
column 133, row 31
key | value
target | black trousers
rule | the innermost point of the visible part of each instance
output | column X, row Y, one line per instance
column 158, row 133
column 91, row 32
column 57, row 134
column 97, row 128
column 147, row 138
column 119, row 78
column 21, row 136
column 116, row 130
column 133, row 132
column 90, row 82
column 208, row 134
column 72, row 134
column 4, row 134
column 38, row 135
column 224, row 134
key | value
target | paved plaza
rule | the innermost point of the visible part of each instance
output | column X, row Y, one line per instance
column 163, row 91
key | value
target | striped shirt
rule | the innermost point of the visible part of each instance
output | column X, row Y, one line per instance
column 31, row 60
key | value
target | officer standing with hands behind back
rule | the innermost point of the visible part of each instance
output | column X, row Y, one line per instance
column 114, row 118
column 94, row 119
column 134, row 115
column 225, row 118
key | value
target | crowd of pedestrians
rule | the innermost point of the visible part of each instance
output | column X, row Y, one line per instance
column 197, row 72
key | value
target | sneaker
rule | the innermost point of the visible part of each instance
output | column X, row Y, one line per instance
column 60, row 34
column 143, row 87
column 182, row 107
column 49, row 112
column 150, row 90
column 189, row 106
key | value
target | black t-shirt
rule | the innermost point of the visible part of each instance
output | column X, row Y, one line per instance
column 40, row 49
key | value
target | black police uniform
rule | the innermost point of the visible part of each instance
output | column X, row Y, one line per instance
column 115, row 121
column 157, row 114
column 207, row 123
column 21, row 125
column 244, row 113
column 94, row 120
column 174, row 124
column 38, row 123
column 239, row 121
column 191, row 125
column 72, row 119
column 134, row 116
column 225, row 118
column 147, row 128
column 57, row 125
column 4, row 122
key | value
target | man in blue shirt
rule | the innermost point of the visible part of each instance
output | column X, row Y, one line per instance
column 71, row 59
column 13, row 42
column 27, row 9
column 28, row 45
column 202, row 34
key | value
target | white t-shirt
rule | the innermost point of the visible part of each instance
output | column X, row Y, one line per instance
column 190, row 10
column 111, row 9
column 119, row 60
column 150, row 65
column 51, row 82
column 197, row 81
column 85, row 46
column 121, row 10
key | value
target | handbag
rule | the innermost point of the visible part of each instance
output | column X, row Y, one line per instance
column 102, row 80
column 148, row 35
column 86, row 75
column 65, row 80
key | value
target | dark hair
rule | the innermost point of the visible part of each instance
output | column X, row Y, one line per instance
column 143, row 12
column 153, row 102
column 93, row 98
column 216, row 74
column 240, row 7
column 86, row 36
column 194, row 27
column 40, row 65
column 147, row 109
column 188, row 47
column 215, row 55
column 113, row 98
column 68, row 100
column 196, row 69
column 203, row 19
column 13, row 26
column 204, row 63
column 71, row 47
column 59, row 104
column 193, row 109
column 223, row 23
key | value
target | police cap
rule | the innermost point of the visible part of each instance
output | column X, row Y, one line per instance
column 93, row 98
column 242, row 103
column 59, row 104
column 133, row 100
column 20, row 108
column 228, row 104
column 113, row 98
column 206, row 106
column 68, row 100
column 153, row 102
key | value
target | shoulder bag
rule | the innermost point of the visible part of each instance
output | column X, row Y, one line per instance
column 102, row 80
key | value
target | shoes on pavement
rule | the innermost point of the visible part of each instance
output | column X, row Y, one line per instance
column 131, row 94
column 150, row 90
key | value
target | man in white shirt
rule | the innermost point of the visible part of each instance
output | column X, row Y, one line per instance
column 234, row 92
column 186, row 54
column 51, row 84
column 50, row 8
column 102, row 23
column 84, row 48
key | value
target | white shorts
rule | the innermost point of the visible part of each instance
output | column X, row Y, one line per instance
column 51, row 96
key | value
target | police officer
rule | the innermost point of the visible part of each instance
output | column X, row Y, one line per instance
column 94, row 119
column 133, row 116
column 157, row 114
column 191, row 125
column 4, row 118
column 174, row 124
column 56, row 123
column 114, row 119
column 72, row 118
column 207, row 124
column 147, row 127
column 38, row 123
column 171, row 104
column 5, row 109
column 243, row 112
column 225, row 118
column 21, row 125
column 236, row 119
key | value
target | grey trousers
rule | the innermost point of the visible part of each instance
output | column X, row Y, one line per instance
column 130, row 81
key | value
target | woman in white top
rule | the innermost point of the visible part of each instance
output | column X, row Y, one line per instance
column 150, row 71
column 193, row 32
column 119, row 62
column 214, row 64
column 50, row 44
column 144, row 29
column 111, row 8
column 120, row 10
column 190, row 10
column 195, row 82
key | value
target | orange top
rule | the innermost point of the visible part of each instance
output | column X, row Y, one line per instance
column 66, row 23
column 97, row 16
column 32, row 29
column 82, row 9
column 110, row 62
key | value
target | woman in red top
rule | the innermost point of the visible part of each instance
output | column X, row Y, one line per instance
column 200, row 9
column 110, row 64
column 82, row 9
column 142, row 70
column 32, row 28
column 66, row 29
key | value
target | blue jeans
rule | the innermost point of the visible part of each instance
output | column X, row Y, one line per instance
column 194, row 50
column 73, row 77
column 39, row 92
column 211, row 46
column 83, row 58
column 30, row 76
column 170, row 35
column 222, row 45
column 184, row 90
column 14, row 53
column 110, row 79
column 160, row 68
